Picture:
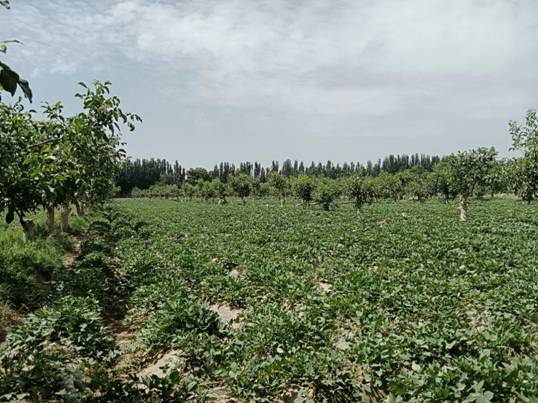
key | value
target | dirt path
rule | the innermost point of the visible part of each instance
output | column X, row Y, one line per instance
column 129, row 353
column 71, row 258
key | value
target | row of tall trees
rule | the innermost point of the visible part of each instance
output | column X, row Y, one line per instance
column 146, row 172
column 59, row 161
column 474, row 173
column 463, row 175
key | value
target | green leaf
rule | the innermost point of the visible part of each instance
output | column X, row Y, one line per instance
column 25, row 87
column 485, row 397
column 9, row 80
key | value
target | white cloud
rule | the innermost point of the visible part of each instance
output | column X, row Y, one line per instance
column 348, row 60
column 294, row 52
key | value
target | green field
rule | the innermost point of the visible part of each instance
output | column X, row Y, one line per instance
column 262, row 302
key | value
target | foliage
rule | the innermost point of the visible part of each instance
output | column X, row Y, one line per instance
column 304, row 187
column 326, row 193
column 174, row 314
column 9, row 79
column 525, row 139
column 359, row 192
column 47, row 163
column 54, row 350
column 24, row 164
column 468, row 172
column 241, row 185
column 26, row 268
column 469, row 169
column 419, row 309
column 207, row 190
column 440, row 178
column 387, row 186
column 402, row 305
column 420, row 185
column 143, row 173
column 280, row 184
column 99, row 129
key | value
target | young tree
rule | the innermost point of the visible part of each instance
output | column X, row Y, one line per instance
column 325, row 194
column 220, row 190
column 207, row 190
column 60, row 184
column 188, row 190
column 280, row 184
column 467, row 170
column 59, row 161
column 25, row 160
column 440, row 178
column 525, row 139
column 360, row 191
column 255, row 186
column 498, row 178
column 241, row 186
column 99, row 129
column 420, row 184
column 266, row 189
column 304, row 187
column 34, row 167
column 195, row 175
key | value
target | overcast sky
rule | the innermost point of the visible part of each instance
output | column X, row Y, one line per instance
column 234, row 80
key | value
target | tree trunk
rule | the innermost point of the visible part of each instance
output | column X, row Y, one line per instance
column 50, row 219
column 28, row 227
column 80, row 208
column 463, row 209
column 64, row 222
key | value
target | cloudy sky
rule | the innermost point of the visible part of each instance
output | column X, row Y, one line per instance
column 346, row 80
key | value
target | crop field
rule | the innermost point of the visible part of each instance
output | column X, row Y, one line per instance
column 405, row 301
column 262, row 239
column 260, row 302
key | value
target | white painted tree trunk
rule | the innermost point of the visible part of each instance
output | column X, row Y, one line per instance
column 463, row 209
column 28, row 227
column 64, row 221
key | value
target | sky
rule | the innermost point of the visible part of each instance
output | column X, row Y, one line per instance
column 314, row 80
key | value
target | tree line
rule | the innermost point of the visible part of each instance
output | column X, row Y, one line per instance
column 474, row 173
column 448, row 179
column 143, row 173
column 58, row 161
